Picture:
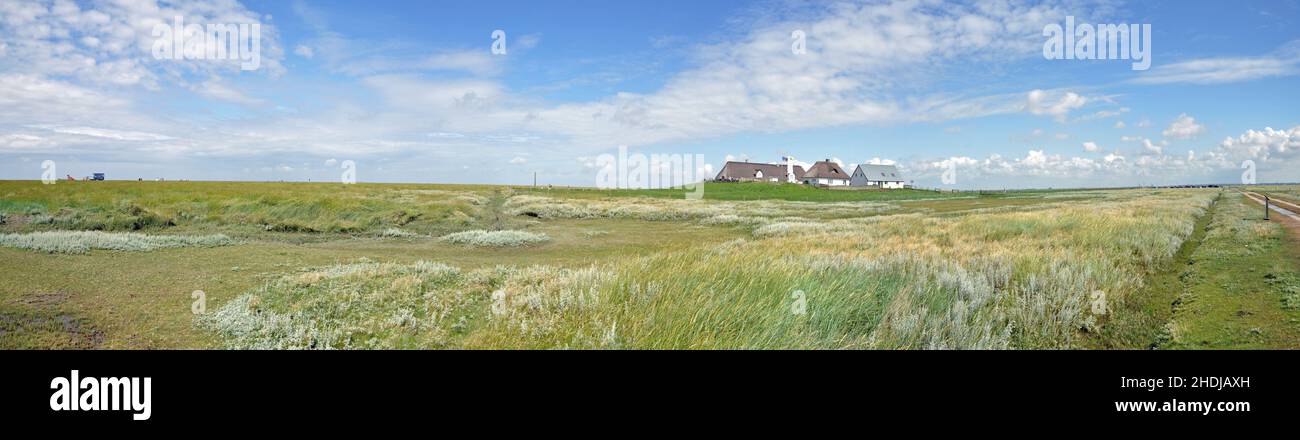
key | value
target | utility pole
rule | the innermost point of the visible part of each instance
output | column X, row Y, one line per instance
column 1265, row 208
column 534, row 179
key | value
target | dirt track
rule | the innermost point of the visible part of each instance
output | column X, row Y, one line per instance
column 1283, row 212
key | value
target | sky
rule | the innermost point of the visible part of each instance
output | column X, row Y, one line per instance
column 413, row 91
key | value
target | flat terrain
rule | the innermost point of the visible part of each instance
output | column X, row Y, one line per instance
column 749, row 266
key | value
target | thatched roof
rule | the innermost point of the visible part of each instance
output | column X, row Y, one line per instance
column 825, row 169
column 748, row 170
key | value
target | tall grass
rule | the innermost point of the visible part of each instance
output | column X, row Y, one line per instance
column 711, row 212
column 979, row 280
column 237, row 206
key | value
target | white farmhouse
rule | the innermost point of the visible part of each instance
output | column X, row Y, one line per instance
column 825, row 173
column 880, row 176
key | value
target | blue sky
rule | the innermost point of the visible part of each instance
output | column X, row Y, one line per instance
column 411, row 91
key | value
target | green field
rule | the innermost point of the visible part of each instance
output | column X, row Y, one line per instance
column 314, row 265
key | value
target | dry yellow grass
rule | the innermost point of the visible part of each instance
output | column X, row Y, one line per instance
column 986, row 279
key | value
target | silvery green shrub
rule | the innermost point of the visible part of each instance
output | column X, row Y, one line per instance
column 506, row 238
column 80, row 242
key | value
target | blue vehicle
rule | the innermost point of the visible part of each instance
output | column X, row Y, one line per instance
column 98, row 176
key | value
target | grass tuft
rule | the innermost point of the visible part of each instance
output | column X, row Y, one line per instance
column 507, row 238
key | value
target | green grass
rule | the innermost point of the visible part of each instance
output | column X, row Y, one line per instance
column 1233, row 285
column 623, row 269
column 237, row 207
column 1238, row 284
column 1010, row 279
column 142, row 300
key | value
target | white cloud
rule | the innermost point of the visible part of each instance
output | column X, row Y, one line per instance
column 1152, row 148
column 518, row 160
column 1119, row 124
column 304, row 51
column 526, row 42
column 105, row 133
column 1263, row 145
column 1282, row 62
column 331, row 162
column 1043, row 168
column 1184, row 127
column 1059, row 105
column 110, row 43
column 218, row 89
column 1091, row 147
column 1103, row 114
column 20, row 141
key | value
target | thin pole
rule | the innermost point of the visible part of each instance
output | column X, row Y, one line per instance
column 1265, row 207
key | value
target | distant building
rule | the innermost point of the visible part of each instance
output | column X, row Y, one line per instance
column 825, row 173
column 881, row 176
column 759, row 172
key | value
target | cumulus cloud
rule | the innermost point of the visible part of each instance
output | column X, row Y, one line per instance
column 517, row 160
column 1091, row 147
column 1263, row 145
column 1040, row 166
column 1184, row 127
column 1059, row 105
column 111, row 43
column 1152, row 148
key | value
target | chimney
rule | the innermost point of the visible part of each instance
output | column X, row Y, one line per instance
column 789, row 169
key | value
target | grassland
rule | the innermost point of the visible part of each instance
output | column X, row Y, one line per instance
column 750, row 266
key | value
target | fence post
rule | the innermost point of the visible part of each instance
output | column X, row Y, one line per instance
column 1265, row 207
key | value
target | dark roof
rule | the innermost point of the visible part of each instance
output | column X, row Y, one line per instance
column 878, row 173
column 747, row 170
column 825, row 170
